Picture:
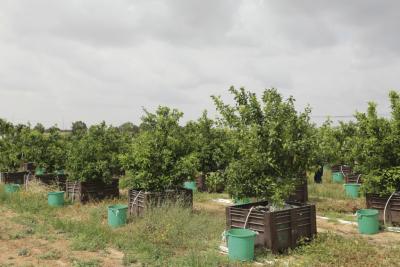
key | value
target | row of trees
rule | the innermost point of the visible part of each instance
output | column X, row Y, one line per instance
column 257, row 147
column 370, row 144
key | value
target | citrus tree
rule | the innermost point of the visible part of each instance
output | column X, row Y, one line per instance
column 9, row 156
column 159, row 157
column 377, row 150
column 210, row 143
column 94, row 156
column 273, row 144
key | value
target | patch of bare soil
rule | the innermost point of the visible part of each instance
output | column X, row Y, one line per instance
column 347, row 230
column 210, row 206
column 28, row 250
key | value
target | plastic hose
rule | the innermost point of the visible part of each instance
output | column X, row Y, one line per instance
column 73, row 192
column 341, row 170
column 384, row 211
column 134, row 201
column 247, row 218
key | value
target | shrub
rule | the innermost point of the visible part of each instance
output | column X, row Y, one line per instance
column 273, row 144
column 159, row 157
column 95, row 155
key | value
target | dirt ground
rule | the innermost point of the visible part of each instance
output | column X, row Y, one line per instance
column 349, row 231
column 19, row 248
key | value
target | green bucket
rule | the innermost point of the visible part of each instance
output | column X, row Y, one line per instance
column 40, row 171
column 352, row 190
column 55, row 199
column 117, row 215
column 337, row 177
column 241, row 201
column 11, row 188
column 368, row 221
column 241, row 244
column 190, row 185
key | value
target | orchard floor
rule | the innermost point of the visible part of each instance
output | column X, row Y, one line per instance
column 33, row 234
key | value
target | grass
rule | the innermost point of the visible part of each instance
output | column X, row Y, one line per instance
column 50, row 255
column 174, row 236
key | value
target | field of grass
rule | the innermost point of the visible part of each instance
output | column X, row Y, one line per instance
column 34, row 234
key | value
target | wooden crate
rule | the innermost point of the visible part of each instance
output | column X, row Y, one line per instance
column 14, row 177
column 28, row 167
column 92, row 190
column 342, row 168
column 300, row 193
column 375, row 201
column 53, row 179
column 140, row 200
column 277, row 230
column 352, row 178
column 201, row 183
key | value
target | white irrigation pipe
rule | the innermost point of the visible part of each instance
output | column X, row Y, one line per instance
column 73, row 192
column 387, row 203
column 134, row 201
column 247, row 218
column 26, row 179
column 358, row 178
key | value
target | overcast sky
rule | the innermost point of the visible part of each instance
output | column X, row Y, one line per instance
column 93, row 60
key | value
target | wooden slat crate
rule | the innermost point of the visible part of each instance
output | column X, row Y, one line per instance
column 342, row 168
column 14, row 177
column 140, row 201
column 352, row 178
column 277, row 230
column 393, row 209
column 300, row 194
column 51, row 179
column 93, row 190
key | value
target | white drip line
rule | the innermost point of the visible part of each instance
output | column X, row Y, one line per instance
column 134, row 201
column 358, row 178
column 386, row 205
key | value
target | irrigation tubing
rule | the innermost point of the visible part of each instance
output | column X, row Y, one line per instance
column 387, row 203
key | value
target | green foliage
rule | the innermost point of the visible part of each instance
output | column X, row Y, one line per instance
column 383, row 181
column 95, row 155
column 215, row 181
column 9, row 155
column 159, row 157
column 210, row 143
column 79, row 128
column 273, row 144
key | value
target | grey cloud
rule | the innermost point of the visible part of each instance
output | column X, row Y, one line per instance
column 93, row 60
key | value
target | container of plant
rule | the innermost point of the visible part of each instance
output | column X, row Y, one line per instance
column 14, row 177
column 382, row 188
column 388, row 207
column 279, row 229
column 40, row 171
column 140, row 201
column 269, row 159
column 157, row 162
column 300, row 193
column 192, row 185
column 91, row 164
column 337, row 177
column 53, row 179
column 352, row 190
column 117, row 215
column 55, row 199
column 11, row 188
column 28, row 167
